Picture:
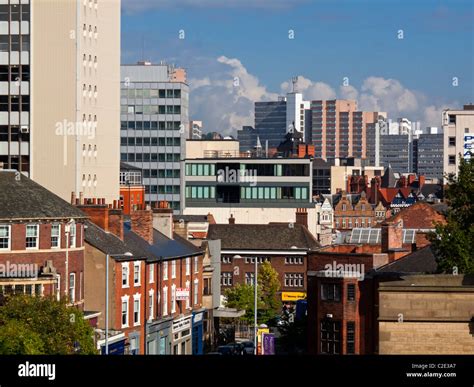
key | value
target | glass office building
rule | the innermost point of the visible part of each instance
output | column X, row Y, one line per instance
column 154, row 126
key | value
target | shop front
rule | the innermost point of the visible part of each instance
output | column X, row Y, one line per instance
column 158, row 339
column 181, row 333
column 198, row 328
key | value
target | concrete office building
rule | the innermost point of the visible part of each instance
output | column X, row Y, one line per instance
column 59, row 94
column 458, row 131
column 428, row 154
column 338, row 129
column 154, row 127
column 396, row 150
column 298, row 114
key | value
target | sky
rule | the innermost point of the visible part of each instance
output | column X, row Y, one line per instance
column 409, row 58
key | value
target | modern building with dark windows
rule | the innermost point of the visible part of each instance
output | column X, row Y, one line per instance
column 154, row 126
column 428, row 152
column 396, row 151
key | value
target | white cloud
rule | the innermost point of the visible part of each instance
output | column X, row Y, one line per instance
column 224, row 98
column 311, row 90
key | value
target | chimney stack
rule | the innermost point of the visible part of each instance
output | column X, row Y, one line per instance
column 73, row 198
column 141, row 222
column 392, row 235
column 302, row 216
column 116, row 222
column 97, row 213
column 163, row 219
column 231, row 219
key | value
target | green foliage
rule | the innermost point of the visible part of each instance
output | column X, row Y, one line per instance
column 242, row 296
column 269, row 285
column 453, row 242
column 43, row 325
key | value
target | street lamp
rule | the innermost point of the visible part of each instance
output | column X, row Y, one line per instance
column 128, row 254
column 255, row 303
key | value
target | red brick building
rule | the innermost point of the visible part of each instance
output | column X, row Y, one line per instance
column 132, row 190
column 343, row 279
column 41, row 241
column 155, row 279
column 284, row 245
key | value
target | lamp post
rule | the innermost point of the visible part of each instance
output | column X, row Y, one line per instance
column 128, row 254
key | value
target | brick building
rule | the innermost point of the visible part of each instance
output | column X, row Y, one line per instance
column 343, row 280
column 284, row 245
column 41, row 241
column 354, row 210
column 155, row 279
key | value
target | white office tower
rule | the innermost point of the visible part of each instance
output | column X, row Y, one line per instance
column 60, row 94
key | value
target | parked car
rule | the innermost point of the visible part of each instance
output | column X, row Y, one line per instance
column 231, row 349
column 249, row 347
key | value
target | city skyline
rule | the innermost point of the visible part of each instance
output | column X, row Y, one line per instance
column 397, row 48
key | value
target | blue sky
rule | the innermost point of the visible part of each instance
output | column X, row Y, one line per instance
column 249, row 39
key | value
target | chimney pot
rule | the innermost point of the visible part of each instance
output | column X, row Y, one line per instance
column 73, row 197
column 231, row 219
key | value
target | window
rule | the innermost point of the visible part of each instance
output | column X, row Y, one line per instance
column 136, row 309
column 55, row 236
column 72, row 288
column 452, row 141
column 250, row 278
column 330, row 337
column 32, row 231
column 125, row 275
column 4, row 237
column 226, row 278
column 294, row 280
column 330, row 292
column 72, row 235
column 152, row 273
column 136, row 273
column 350, row 337
column 196, row 291
column 351, row 292
column 207, row 291
column 124, row 311
column 188, row 266
column 226, row 259
column 173, row 298
column 188, row 301
column 293, row 260
column 196, row 264
column 452, row 159
column 452, row 119
column 165, row 301
column 165, row 270
column 173, row 269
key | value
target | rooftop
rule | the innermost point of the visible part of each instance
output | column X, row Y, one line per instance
column 279, row 236
column 22, row 198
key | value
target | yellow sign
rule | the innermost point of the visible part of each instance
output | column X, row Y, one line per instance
column 260, row 332
column 293, row 296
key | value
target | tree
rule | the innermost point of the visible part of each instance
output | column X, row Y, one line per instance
column 453, row 242
column 42, row 325
column 268, row 285
column 242, row 296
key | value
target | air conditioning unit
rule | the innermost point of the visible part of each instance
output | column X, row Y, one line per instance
column 24, row 129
